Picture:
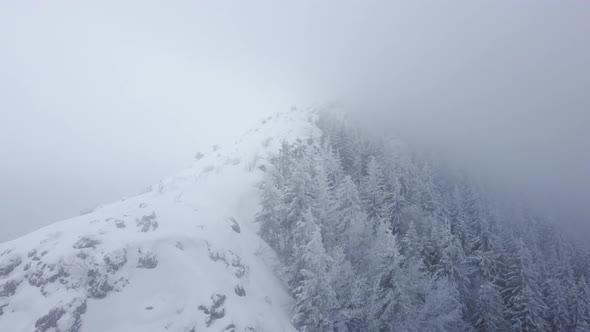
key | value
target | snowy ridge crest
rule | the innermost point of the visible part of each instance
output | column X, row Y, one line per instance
column 183, row 256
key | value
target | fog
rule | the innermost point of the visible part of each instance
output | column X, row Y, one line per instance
column 99, row 101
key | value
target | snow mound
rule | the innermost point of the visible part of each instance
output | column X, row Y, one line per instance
column 184, row 256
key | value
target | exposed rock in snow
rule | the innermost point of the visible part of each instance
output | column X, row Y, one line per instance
column 86, row 242
column 216, row 310
column 234, row 225
column 8, row 265
column 147, row 223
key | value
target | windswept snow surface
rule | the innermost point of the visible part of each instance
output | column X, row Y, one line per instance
column 184, row 256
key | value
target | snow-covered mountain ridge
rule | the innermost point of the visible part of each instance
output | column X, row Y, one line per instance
column 184, row 256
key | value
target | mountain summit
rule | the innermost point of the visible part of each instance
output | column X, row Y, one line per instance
column 184, row 256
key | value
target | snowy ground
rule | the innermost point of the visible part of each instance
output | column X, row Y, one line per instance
column 183, row 257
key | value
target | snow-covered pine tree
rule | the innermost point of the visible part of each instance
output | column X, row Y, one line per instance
column 457, row 216
column 349, row 148
column 429, row 197
column 489, row 311
column 269, row 215
column 389, row 303
column 331, row 163
column 373, row 195
column 282, row 162
column 525, row 307
column 439, row 306
column 296, row 200
column 472, row 216
column 315, row 299
column 581, row 308
column 348, row 309
column 394, row 203
column 452, row 264
column 484, row 257
column 351, row 225
column 412, row 243
column 324, row 204
column 556, row 295
column 432, row 245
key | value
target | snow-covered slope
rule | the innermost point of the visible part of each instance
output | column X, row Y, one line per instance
column 183, row 257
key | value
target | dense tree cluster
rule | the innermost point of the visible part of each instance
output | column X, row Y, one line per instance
column 377, row 238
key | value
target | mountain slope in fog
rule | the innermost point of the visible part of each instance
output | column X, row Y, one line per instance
column 184, row 256
column 310, row 222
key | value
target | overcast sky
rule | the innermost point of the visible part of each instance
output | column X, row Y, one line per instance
column 100, row 100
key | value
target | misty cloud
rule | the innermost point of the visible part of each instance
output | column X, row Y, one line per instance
column 99, row 101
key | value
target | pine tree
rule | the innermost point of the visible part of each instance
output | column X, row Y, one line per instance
column 453, row 261
column 432, row 245
column 394, row 203
column 457, row 217
column 412, row 243
column 314, row 296
column 342, row 276
column 484, row 257
column 429, row 197
column 283, row 160
column 373, row 196
column 324, row 205
column 581, row 308
column 269, row 215
column 565, row 274
column 525, row 307
column 348, row 145
column 351, row 221
column 296, row 200
column 389, row 302
column 406, row 298
column 556, row 294
column 489, row 311
column 332, row 164
column 473, row 218
column 557, row 305
column 441, row 308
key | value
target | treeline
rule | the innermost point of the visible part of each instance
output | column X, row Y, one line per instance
column 377, row 238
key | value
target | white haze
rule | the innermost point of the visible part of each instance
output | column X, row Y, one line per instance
column 101, row 100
